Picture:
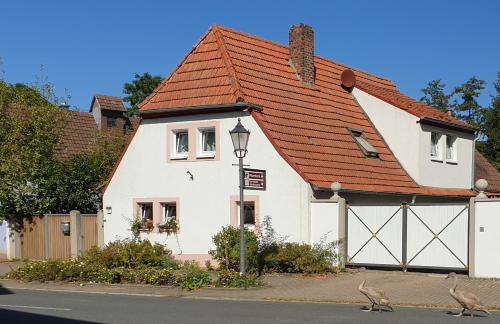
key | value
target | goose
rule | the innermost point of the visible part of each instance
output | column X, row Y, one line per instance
column 466, row 299
column 375, row 295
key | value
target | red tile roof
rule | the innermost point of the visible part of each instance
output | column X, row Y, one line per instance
column 484, row 170
column 108, row 103
column 78, row 135
column 307, row 125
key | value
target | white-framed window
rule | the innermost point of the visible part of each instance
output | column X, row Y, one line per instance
column 435, row 148
column 146, row 215
column 207, row 141
column 180, row 144
column 451, row 148
column 169, row 211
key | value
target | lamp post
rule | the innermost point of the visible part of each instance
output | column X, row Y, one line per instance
column 239, row 136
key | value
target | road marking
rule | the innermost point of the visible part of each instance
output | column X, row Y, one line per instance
column 36, row 307
column 90, row 292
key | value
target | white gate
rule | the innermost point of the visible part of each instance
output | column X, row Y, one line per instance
column 408, row 236
column 374, row 235
column 438, row 236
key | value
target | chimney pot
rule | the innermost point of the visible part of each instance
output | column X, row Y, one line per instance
column 301, row 41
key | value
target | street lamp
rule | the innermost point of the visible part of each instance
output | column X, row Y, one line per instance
column 239, row 136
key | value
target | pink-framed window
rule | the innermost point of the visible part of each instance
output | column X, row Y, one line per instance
column 156, row 213
column 195, row 141
column 251, row 209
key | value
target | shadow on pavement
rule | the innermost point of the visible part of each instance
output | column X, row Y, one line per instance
column 5, row 291
column 466, row 314
column 11, row 316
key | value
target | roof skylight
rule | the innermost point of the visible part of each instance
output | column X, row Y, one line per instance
column 367, row 149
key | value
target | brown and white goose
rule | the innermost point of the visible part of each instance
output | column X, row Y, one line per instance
column 467, row 300
column 375, row 295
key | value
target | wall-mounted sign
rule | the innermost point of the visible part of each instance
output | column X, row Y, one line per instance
column 255, row 179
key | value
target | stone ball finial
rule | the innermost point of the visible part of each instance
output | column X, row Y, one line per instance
column 335, row 186
column 481, row 185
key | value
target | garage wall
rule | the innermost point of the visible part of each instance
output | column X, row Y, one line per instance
column 485, row 238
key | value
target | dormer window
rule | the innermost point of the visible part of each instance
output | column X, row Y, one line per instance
column 365, row 146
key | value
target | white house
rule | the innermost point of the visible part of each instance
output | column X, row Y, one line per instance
column 313, row 122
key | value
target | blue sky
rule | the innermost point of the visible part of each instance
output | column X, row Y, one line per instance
column 92, row 47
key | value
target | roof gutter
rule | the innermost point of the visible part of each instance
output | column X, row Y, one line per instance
column 447, row 125
column 203, row 109
column 390, row 193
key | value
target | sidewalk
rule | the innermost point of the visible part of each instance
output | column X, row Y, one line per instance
column 415, row 289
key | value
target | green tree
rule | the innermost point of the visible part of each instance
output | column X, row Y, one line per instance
column 490, row 148
column 30, row 128
column 141, row 87
column 465, row 104
column 81, row 179
column 435, row 96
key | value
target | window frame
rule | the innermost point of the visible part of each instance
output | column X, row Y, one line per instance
column 175, row 154
column 140, row 208
column 163, row 208
column 439, row 149
column 366, row 147
column 200, row 144
column 111, row 122
column 454, row 156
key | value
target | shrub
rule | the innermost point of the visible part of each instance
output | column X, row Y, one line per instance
column 227, row 248
column 152, row 276
column 231, row 279
column 131, row 254
column 36, row 271
column 194, row 277
column 302, row 258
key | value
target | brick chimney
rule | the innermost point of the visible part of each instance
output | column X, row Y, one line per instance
column 301, row 41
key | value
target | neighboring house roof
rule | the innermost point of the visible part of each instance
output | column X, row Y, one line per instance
column 78, row 135
column 484, row 170
column 108, row 103
column 308, row 125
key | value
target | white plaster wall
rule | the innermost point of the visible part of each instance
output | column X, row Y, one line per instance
column 96, row 112
column 398, row 128
column 324, row 221
column 445, row 173
column 205, row 201
column 410, row 143
column 4, row 240
column 487, row 260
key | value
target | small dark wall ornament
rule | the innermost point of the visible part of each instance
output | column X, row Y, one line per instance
column 65, row 228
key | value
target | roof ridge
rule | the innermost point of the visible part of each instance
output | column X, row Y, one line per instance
column 155, row 91
column 235, row 83
column 287, row 47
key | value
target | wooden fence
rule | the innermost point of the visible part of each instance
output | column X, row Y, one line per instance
column 42, row 237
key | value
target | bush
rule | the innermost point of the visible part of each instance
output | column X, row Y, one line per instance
column 302, row 258
column 131, row 254
column 152, row 276
column 194, row 277
column 231, row 279
column 227, row 248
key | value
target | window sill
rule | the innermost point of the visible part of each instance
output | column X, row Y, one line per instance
column 206, row 156
column 179, row 157
column 437, row 160
column 452, row 162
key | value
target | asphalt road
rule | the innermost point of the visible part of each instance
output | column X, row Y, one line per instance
column 22, row 305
